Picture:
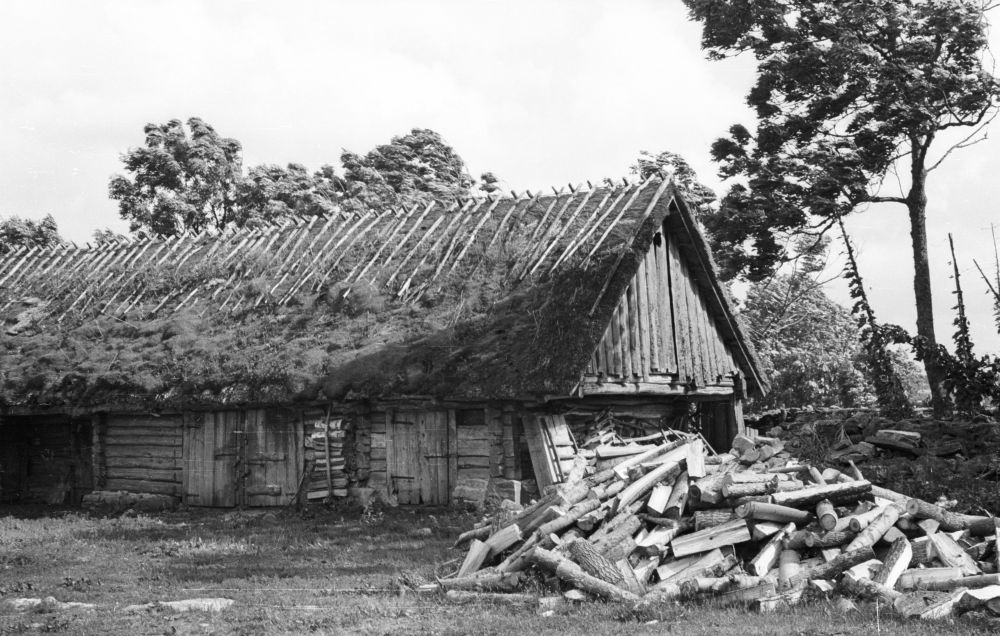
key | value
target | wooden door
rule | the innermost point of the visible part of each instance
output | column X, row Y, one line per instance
column 211, row 444
column 274, row 457
column 419, row 456
column 251, row 458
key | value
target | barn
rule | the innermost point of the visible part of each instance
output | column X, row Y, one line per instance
column 427, row 353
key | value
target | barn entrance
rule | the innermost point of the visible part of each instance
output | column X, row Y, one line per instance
column 45, row 459
column 420, row 452
column 242, row 458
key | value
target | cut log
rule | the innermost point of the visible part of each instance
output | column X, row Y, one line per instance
column 666, row 473
column 674, row 567
column 826, row 514
column 709, row 518
column 462, row 596
column 852, row 491
column 622, row 469
column 503, row 539
column 781, row 599
column 474, row 558
column 788, row 567
column 483, row 581
column 949, row 521
column 764, row 529
column 559, row 524
column 833, row 568
column 588, row 558
column 941, row 581
column 729, row 533
column 767, row 558
column 870, row 535
column 868, row 589
column 708, row 491
column 574, row 575
column 925, row 578
column 830, row 539
column 896, row 561
column 475, row 533
column 951, row 555
column 760, row 511
column 928, row 605
column 859, row 522
column 743, row 596
column 816, row 476
column 749, row 489
column 678, row 497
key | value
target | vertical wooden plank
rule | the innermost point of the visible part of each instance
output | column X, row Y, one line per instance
column 678, row 299
column 544, row 475
column 665, row 307
column 423, row 473
column 623, row 338
column 452, row 452
column 389, row 451
column 642, row 313
column 635, row 332
column 608, row 351
column 649, row 298
column 707, row 360
column 617, row 365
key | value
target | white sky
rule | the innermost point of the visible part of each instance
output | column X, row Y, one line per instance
column 541, row 93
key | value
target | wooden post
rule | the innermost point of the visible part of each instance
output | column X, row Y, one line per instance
column 326, row 455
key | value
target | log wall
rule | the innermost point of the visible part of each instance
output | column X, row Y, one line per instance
column 143, row 453
column 45, row 459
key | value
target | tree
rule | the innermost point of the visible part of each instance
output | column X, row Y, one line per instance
column 697, row 194
column 16, row 232
column 846, row 92
column 416, row 167
column 180, row 182
column 270, row 192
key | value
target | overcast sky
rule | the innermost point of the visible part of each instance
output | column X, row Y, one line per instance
column 541, row 93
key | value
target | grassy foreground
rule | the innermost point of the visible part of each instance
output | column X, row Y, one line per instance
column 324, row 572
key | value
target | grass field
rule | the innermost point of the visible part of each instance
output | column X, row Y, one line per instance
column 323, row 572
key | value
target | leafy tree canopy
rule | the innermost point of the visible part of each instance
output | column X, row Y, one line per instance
column 844, row 91
column 180, row 181
column 697, row 194
column 16, row 232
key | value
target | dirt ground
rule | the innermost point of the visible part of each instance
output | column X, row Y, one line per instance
column 323, row 572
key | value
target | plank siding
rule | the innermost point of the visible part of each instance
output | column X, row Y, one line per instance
column 663, row 332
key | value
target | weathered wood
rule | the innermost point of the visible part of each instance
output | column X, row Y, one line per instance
column 573, row 574
column 593, row 563
column 730, row 533
column 767, row 558
column 833, row 568
column 474, row 558
column 709, row 518
column 896, row 561
column 950, row 554
column 928, row 605
column 868, row 589
column 826, row 515
column 761, row 511
column 503, row 539
column 924, row 578
column 572, row 516
column 750, row 489
column 657, row 502
column 949, row 521
column 829, row 539
column 644, row 484
column 483, row 580
column 810, row 496
column 764, row 529
column 870, row 535
column 678, row 497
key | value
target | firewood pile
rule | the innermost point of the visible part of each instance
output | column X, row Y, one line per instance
column 666, row 520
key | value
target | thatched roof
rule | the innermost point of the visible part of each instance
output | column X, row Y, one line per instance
column 491, row 298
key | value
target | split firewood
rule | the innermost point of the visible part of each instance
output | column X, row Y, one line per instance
column 574, row 575
column 950, row 554
column 474, row 558
column 987, row 598
column 789, row 565
column 928, row 605
column 657, row 502
column 896, row 561
column 729, row 533
column 767, row 558
column 635, row 490
column 572, row 516
column 518, row 559
column 678, row 497
column 503, row 539
column 761, row 530
column 622, row 469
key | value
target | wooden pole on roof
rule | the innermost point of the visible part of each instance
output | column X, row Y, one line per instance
column 326, row 445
